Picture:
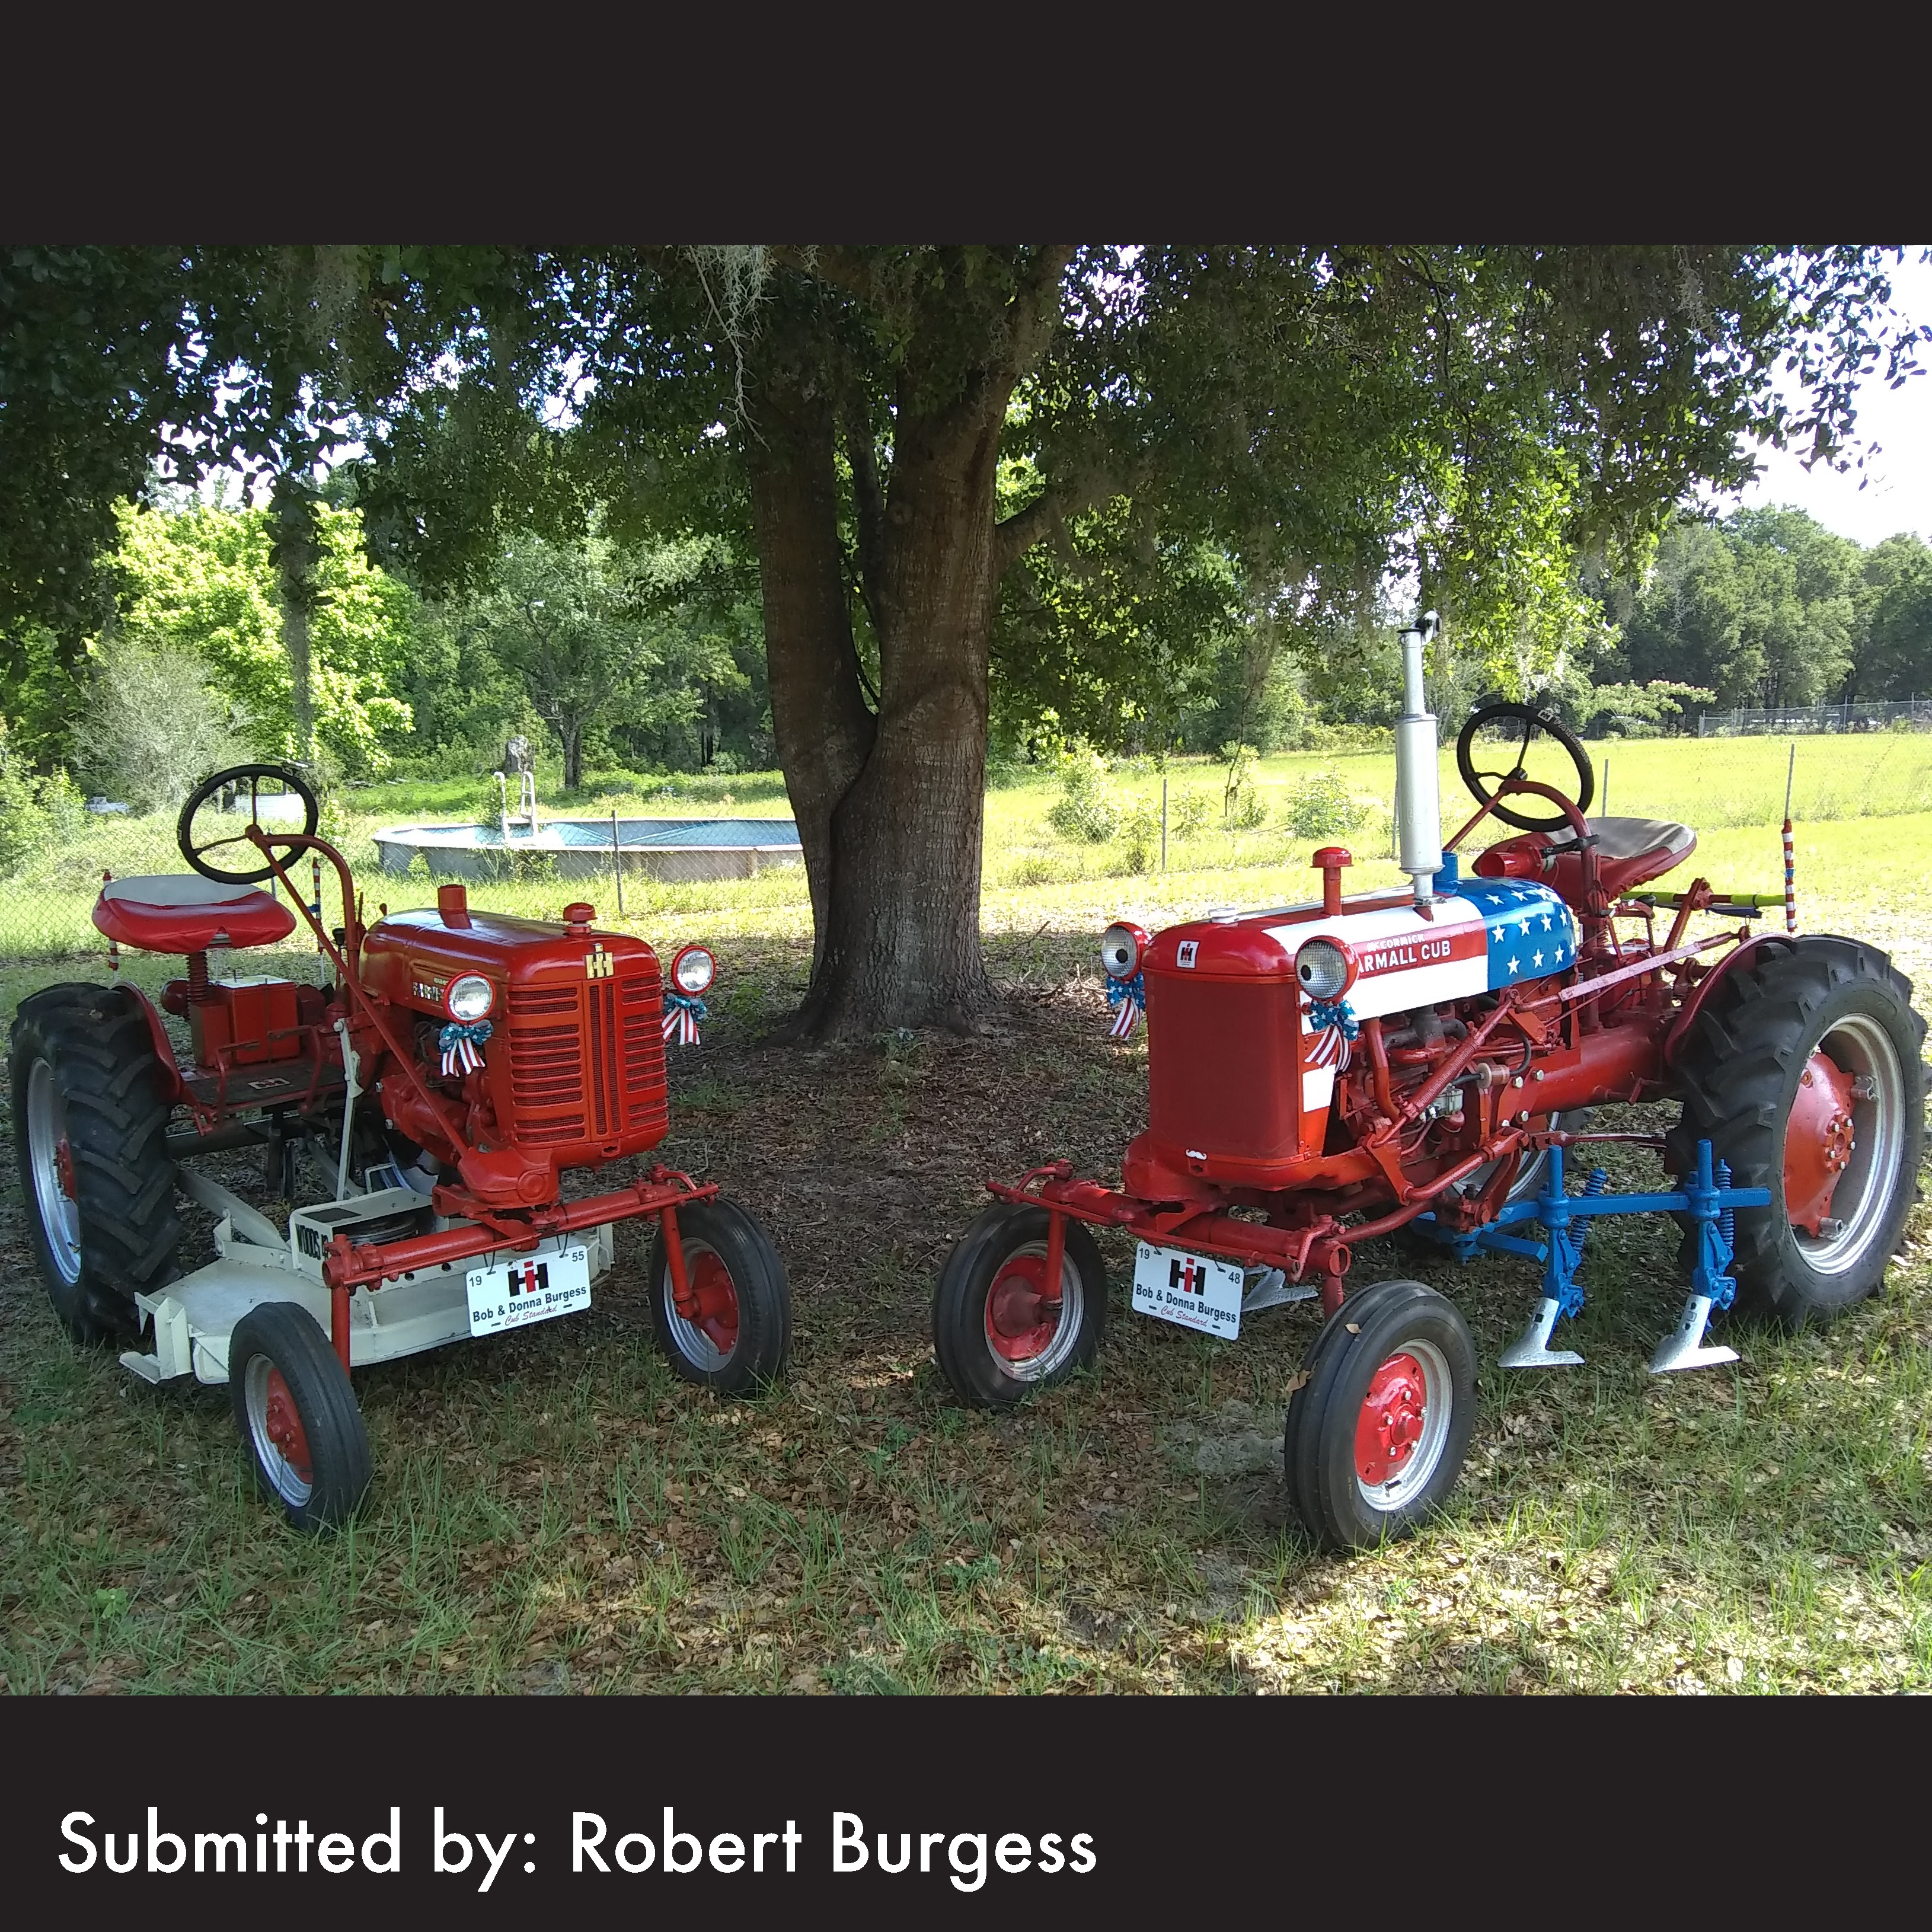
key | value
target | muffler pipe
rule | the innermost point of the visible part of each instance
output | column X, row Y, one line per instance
column 1418, row 804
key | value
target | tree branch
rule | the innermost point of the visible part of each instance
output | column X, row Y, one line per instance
column 869, row 500
column 1035, row 307
column 1015, row 535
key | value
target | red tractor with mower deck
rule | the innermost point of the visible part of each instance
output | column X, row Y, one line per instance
column 1322, row 1075
column 451, row 1067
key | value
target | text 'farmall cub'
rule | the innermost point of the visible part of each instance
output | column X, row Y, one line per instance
column 451, row 1067
column 1322, row 1075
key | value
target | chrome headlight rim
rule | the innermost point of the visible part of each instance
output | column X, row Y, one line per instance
column 460, row 998
column 1324, row 969
column 693, row 970
column 1124, row 949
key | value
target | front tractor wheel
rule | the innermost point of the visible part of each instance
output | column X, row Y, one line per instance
column 1802, row 1071
column 1379, row 1429
column 734, row 1332
column 297, row 1415
column 1001, row 1329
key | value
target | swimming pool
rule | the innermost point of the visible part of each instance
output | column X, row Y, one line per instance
column 670, row 849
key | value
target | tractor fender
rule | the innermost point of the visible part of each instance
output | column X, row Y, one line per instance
column 1673, row 1040
column 164, row 1050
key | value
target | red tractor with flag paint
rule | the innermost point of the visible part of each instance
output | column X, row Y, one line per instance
column 450, row 1068
column 1426, row 1058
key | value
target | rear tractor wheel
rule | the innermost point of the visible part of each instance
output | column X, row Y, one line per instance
column 735, row 1334
column 1802, row 1069
column 90, row 1139
column 1001, row 1329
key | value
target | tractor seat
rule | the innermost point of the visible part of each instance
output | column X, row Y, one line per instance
column 181, row 912
column 1630, row 850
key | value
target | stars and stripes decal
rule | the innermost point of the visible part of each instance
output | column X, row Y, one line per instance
column 1529, row 930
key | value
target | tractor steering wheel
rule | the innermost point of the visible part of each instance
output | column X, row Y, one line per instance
column 1525, row 721
column 216, row 829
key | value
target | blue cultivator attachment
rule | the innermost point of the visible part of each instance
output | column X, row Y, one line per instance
column 1708, row 1198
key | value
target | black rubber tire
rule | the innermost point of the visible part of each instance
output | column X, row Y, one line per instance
column 1740, row 1067
column 1318, row 1443
column 1310, row 1394
column 1536, row 719
column 108, row 1082
column 978, row 1375
column 763, row 1345
column 286, row 1338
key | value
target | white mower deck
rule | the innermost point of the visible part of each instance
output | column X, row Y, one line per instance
column 193, row 1317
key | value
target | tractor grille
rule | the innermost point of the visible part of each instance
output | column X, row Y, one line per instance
column 587, row 1062
column 1222, row 1075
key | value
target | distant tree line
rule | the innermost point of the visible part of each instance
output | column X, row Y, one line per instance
column 647, row 655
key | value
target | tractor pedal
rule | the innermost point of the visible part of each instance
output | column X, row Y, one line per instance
column 1684, row 1347
column 1272, row 1290
column 1531, row 1349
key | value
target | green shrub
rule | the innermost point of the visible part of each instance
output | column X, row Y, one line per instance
column 1083, row 809
column 37, row 815
column 1241, row 806
column 1140, row 830
column 153, row 724
column 1187, row 814
column 1320, row 806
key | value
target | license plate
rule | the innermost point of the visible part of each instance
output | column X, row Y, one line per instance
column 1190, row 1289
column 513, row 1294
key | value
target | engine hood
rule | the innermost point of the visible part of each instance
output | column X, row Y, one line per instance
column 1485, row 935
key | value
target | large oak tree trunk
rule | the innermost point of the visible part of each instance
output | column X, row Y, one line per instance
column 891, row 804
column 823, row 728
column 889, row 807
column 296, row 546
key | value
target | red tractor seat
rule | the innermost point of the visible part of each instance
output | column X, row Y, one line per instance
column 181, row 912
column 1629, row 852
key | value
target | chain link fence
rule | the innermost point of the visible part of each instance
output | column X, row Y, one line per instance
column 1805, row 720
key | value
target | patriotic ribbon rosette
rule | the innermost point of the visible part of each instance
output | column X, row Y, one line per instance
column 681, row 1014
column 1130, row 997
column 1333, row 1024
column 460, row 1044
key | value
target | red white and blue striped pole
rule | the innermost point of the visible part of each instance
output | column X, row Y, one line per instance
column 1790, row 863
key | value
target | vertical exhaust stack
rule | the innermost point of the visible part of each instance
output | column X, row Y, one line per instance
column 1418, row 806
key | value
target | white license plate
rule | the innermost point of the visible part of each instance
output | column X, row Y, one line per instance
column 1190, row 1289
column 531, row 1288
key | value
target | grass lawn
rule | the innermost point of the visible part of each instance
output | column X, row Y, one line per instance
column 553, row 1511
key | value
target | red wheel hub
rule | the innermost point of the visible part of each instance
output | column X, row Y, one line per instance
column 1818, row 1141
column 1391, row 1421
column 1021, row 1320
column 283, row 1424
column 64, row 1166
column 717, row 1299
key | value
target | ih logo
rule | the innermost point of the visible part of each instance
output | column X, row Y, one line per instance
column 1184, row 953
column 1189, row 1275
column 599, row 964
column 528, row 1278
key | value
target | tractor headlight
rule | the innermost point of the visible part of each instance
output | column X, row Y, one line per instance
column 469, row 998
column 1322, row 967
column 693, row 971
column 1122, row 948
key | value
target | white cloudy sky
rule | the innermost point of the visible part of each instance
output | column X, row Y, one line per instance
column 1897, row 492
